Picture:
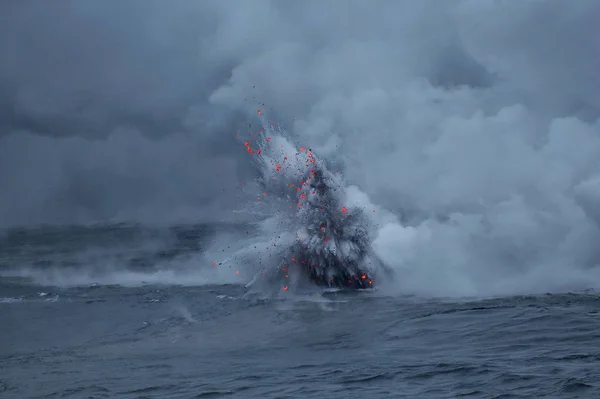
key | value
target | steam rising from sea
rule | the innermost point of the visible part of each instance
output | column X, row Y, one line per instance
column 472, row 127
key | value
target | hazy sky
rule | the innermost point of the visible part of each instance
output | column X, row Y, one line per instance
column 127, row 110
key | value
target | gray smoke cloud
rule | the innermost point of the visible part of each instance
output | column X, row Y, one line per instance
column 106, row 113
column 476, row 122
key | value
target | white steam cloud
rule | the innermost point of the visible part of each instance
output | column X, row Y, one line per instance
column 475, row 122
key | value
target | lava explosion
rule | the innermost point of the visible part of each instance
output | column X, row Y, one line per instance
column 332, row 241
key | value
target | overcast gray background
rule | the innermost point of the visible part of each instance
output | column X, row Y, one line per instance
column 476, row 122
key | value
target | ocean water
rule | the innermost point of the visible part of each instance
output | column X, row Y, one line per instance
column 120, row 311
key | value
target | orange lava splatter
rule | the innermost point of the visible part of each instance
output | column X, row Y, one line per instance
column 285, row 288
column 344, row 210
column 302, row 149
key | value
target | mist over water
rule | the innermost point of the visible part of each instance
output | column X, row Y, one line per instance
column 472, row 126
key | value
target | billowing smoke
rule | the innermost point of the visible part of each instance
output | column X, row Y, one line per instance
column 474, row 123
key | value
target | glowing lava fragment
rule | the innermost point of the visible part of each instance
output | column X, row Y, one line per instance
column 344, row 210
column 302, row 149
column 364, row 276
column 285, row 288
column 259, row 112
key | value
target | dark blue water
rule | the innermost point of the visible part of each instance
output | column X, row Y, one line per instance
column 63, row 336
